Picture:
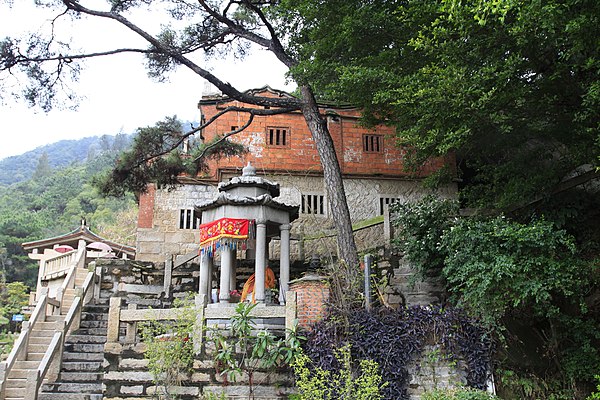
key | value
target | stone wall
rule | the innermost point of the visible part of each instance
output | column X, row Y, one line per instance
column 163, row 237
column 140, row 285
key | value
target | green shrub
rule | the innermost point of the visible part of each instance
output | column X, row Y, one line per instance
column 315, row 383
column 457, row 394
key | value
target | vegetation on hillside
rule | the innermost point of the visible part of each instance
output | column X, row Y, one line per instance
column 532, row 280
column 55, row 200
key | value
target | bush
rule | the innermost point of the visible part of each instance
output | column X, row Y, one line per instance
column 316, row 383
column 458, row 394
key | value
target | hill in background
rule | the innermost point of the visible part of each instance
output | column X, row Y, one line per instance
column 60, row 154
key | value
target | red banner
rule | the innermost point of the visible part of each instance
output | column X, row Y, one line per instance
column 224, row 231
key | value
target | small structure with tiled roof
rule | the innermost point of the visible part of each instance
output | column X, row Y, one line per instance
column 56, row 254
column 244, row 216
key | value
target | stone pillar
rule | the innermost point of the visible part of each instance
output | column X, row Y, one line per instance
column 261, row 261
column 226, row 265
column 284, row 261
column 233, row 271
column 211, row 268
column 205, row 271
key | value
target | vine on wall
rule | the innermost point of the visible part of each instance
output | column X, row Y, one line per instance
column 393, row 338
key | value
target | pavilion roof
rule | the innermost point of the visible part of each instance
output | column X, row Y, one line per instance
column 72, row 238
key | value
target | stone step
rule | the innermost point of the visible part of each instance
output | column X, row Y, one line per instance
column 35, row 356
column 14, row 393
column 84, row 347
column 88, row 377
column 94, row 323
column 69, row 396
column 89, row 357
column 91, row 339
column 16, row 383
column 42, row 333
column 36, row 348
column 80, row 366
column 92, row 331
column 73, row 387
column 28, row 365
column 19, row 373
column 40, row 340
column 46, row 325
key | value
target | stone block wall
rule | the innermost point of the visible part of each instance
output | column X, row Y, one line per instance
column 159, row 234
column 127, row 377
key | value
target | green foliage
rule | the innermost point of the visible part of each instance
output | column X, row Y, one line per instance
column 496, row 265
column 316, row 383
column 528, row 281
column 596, row 394
column 457, row 394
column 13, row 296
column 170, row 348
column 157, row 156
column 62, row 154
column 241, row 351
column 419, row 228
column 55, row 202
column 510, row 87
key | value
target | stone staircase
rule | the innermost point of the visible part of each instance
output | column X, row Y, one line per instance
column 81, row 372
column 39, row 341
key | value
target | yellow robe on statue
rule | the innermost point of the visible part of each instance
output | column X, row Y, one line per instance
column 249, row 285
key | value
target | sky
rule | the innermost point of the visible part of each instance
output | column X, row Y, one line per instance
column 116, row 94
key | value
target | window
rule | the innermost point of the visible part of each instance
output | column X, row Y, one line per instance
column 188, row 219
column 277, row 136
column 373, row 143
column 313, row 204
column 386, row 201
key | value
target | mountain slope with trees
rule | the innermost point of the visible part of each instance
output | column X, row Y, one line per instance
column 57, row 155
column 55, row 199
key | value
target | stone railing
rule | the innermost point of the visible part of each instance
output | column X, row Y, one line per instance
column 45, row 307
column 59, row 265
column 206, row 316
column 52, row 360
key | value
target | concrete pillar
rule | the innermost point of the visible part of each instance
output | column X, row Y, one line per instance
column 205, row 270
column 261, row 261
column 226, row 265
column 284, row 261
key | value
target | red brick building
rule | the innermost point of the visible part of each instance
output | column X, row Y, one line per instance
column 281, row 148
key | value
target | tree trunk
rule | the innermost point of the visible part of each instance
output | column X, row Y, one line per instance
column 333, row 179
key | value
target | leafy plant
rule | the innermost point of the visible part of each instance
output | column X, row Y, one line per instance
column 419, row 228
column 457, row 394
column 242, row 352
column 596, row 394
column 316, row 383
column 393, row 338
column 169, row 347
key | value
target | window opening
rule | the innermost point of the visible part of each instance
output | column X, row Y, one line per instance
column 386, row 201
column 277, row 136
column 313, row 204
column 373, row 143
column 189, row 219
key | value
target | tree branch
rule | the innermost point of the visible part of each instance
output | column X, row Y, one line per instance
column 180, row 58
column 252, row 111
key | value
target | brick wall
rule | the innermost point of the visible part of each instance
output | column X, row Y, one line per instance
column 300, row 155
column 312, row 295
